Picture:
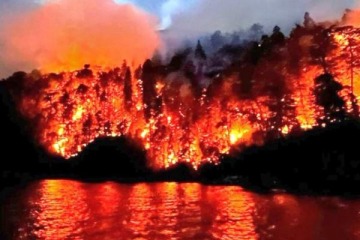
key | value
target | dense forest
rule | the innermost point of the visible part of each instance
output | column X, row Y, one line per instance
column 227, row 91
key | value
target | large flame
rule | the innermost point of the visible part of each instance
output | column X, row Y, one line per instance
column 174, row 118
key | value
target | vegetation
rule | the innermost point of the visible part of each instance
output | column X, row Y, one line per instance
column 278, row 87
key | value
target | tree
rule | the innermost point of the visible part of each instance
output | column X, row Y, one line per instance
column 346, row 17
column 217, row 40
column 355, row 111
column 178, row 60
column 295, row 49
column 123, row 70
column 350, row 50
column 322, row 46
column 253, row 54
column 199, row 51
column 308, row 21
column 244, row 86
column 157, row 59
column 277, row 37
column 280, row 103
column 85, row 73
column 149, row 90
column 354, row 62
column 326, row 93
column 128, row 89
column 87, row 125
column 256, row 31
column 138, row 72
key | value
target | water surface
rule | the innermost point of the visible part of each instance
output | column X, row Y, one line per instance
column 63, row 209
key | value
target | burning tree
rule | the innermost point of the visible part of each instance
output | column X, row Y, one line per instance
column 188, row 112
column 327, row 96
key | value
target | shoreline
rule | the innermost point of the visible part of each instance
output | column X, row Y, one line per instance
column 319, row 161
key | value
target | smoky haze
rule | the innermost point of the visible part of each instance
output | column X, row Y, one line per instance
column 66, row 34
column 35, row 34
column 228, row 15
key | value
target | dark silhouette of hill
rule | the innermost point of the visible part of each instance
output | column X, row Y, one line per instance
column 109, row 157
column 20, row 156
column 181, row 172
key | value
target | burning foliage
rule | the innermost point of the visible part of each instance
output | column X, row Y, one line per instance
column 200, row 106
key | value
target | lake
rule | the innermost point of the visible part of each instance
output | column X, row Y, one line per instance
column 64, row 209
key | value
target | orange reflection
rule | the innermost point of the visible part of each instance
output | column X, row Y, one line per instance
column 108, row 197
column 104, row 201
column 59, row 209
column 234, row 214
column 63, row 210
column 167, row 210
column 139, row 220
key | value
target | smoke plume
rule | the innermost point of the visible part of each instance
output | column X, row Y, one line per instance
column 207, row 16
column 66, row 34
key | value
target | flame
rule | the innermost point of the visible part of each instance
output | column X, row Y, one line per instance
column 78, row 113
column 170, row 119
column 237, row 134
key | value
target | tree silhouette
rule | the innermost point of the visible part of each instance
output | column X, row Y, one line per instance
column 199, row 51
column 85, row 72
column 355, row 111
column 308, row 21
column 128, row 89
column 322, row 46
column 346, row 16
column 256, row 31
column 277, row 37
column 149, row 91
column 327, row 96
column 178, row 60
column 217, row 40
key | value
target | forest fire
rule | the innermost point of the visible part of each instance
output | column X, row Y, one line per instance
column 182, row 113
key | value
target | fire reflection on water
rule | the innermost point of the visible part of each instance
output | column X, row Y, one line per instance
column 61, row 209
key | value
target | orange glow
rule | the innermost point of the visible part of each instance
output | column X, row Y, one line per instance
column 230, row 204
column 237, row 134
column 78, row 113
column 347, row 71
column 63, row 209
column 77, row 110
column 64, row 203
column 64, row 35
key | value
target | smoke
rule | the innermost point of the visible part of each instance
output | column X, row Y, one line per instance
column 208, row 16
column 352, row 17
column 171, row 8
column 65, row 34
